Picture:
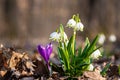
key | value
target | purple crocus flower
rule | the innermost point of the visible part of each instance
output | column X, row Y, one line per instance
column 45, row 52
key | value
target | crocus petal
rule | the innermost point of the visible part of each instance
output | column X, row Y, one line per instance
column 42, row 52
column 45, row 51
column 48, row 50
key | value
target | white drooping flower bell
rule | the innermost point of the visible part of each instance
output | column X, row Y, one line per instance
column 96, row 54
column 55, row 36
column 75, row 25
column 71, row 23
column 79, row 26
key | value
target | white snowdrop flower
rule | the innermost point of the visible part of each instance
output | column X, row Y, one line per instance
column 112, row 38
column 55, row 36
column 101, row 39
column 79, row 26
column 71, row 23
column 96, row 54
column 90, row 67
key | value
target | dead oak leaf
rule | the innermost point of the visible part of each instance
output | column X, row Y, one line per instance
column 93, row 75
column 16, row 57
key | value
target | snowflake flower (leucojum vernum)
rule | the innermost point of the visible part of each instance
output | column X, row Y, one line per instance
column 96, row 54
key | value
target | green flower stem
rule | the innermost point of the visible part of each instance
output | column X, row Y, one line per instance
column 73, row 43
column 73, row 47
column 50, row 70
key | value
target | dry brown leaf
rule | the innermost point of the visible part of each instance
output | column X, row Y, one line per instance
column 17, row 73
column 30, row 65
column 93, row 75
column 16, row 57
column 2, row 73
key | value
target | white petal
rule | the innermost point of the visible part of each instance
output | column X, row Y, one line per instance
column 71, row 23
column 79, row 26
column 95, row 54
column 55, row 36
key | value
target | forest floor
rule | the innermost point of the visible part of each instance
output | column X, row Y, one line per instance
column 20, row 64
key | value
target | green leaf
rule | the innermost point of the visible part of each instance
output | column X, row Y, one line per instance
column 87, row 42
column 71, row 45
column 119, row 69
column 85, row 50
column 79, row 51
column 61, row 31
column 69, row 48
column 67, row 56
column 93, row 45
column 89, row 48
column 103, row 72
column 59, row 54
column 64, row 57
column 61, row 28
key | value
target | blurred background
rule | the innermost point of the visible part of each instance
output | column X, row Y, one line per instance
column 29, row 22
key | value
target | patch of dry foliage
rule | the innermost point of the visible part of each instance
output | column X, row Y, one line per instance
column 16, row 64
